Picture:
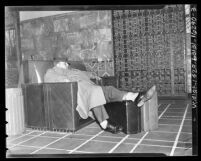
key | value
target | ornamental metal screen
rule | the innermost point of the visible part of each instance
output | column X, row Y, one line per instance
column 149, row 48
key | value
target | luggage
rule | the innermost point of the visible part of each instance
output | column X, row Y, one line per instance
column 52, row 106
column 126, row 114
column 149, row 114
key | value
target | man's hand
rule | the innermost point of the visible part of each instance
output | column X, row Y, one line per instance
column 95, row 76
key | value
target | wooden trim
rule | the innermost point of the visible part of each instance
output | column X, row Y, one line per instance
column 18, row 42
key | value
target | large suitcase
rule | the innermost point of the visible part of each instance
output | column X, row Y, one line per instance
column 126, row 114
column 52, row 106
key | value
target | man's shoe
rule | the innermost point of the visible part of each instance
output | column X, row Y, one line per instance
column 145, row 96
column 113, row 129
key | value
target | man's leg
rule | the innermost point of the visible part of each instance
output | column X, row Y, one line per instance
column 101, row 117
column 100, row 113
column 112, row 94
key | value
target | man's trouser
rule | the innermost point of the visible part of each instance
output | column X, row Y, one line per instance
column 111, row 95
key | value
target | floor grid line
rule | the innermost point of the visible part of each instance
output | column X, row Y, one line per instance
column 86, row 141
column 22, row 136
column 121, row 141
column 51, row 143
column 121, row 137
column 178, row 134
column 147, row 132
column 77, row 150
column 28, row 139
column 173, row 144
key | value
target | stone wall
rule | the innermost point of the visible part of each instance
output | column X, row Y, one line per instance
column 80, row 36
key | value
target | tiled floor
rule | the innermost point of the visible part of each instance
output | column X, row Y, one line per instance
column 173, row 137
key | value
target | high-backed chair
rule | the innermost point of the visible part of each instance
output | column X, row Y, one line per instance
column 50, row 106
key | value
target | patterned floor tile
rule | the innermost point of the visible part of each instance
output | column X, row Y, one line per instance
column 82, row 152
column 98, row 147
column 54, row 134
column 159, row 113
column 107, row 139
column 27, row 131
column 165, row 101
column 21, row 139
column 152, row 149
column 187, row 129
column 154, row 142
column 161, row 136
column 39, row 141
column 36, row 132
column 12, row 137
column 182, row 152
column 113, row 135
column 172, row 117
column 21, row 150
column 178, row 105
column 167, row 128
column 188, row 116
column 123, row 148
column 189, row 110
column 131, row 141
column 185, row 137
column 8, row 145
column 51, row 151
column 162, row 107
column 88, row 131
column 184, row 145
column 187, row 122
column 168, row 121
column 175, row 110
column 67, row 144
column 79, row 136
column 173, row 114
column 137, row 136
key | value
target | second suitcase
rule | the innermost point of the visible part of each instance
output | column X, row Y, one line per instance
column 126, row 114
column 149, row 114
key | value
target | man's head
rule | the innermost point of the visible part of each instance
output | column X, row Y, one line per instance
column 61, row 63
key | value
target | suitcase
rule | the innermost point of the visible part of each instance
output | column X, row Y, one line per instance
column 52, row 106
column 149, row 114
column 126, row 114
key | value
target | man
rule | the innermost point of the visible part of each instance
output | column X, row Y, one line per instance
column 91, row 97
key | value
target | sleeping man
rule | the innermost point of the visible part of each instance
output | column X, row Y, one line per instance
column 91, row 97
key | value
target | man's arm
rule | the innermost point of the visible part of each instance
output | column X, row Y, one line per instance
column 51, row 76
column 92, row 75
